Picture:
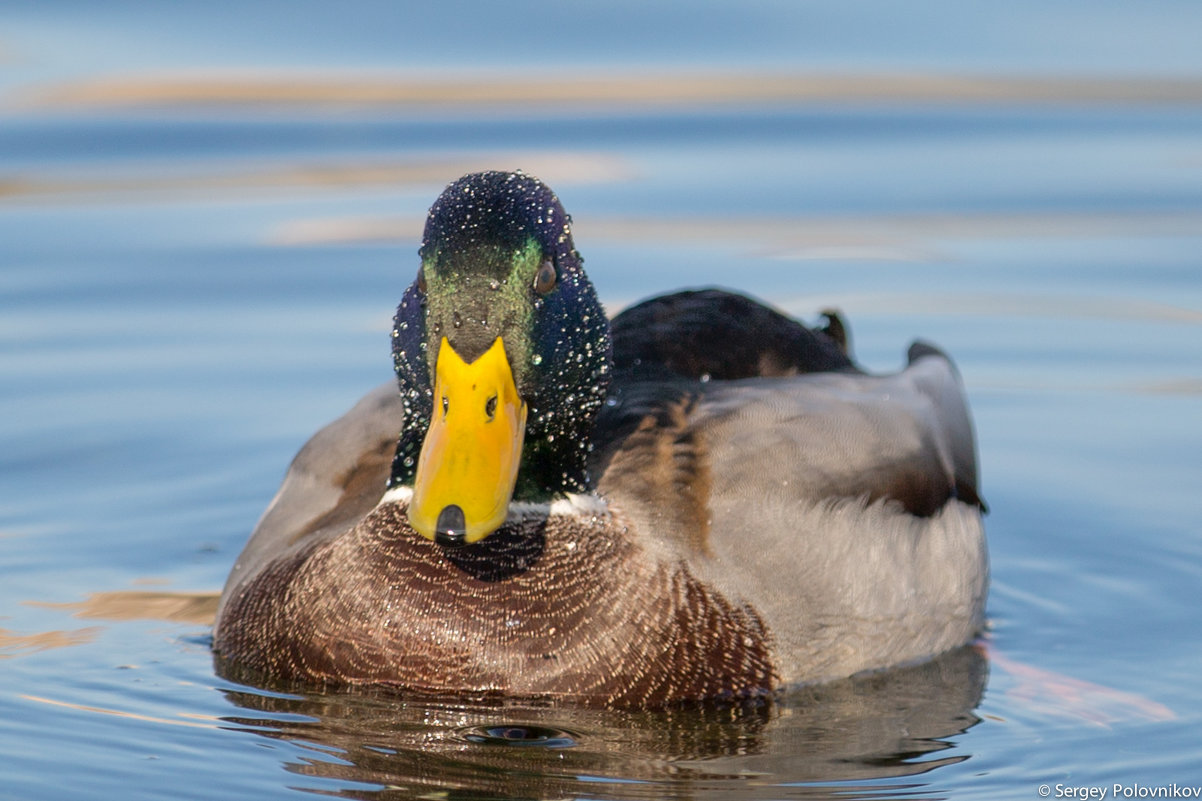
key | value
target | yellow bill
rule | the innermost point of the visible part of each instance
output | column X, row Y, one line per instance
column 470, row 457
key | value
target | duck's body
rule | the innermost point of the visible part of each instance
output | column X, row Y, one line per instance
column 760, row 513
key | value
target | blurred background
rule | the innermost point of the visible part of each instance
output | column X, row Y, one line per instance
column 209, row 211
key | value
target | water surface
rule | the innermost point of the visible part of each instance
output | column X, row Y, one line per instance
column 208, row 215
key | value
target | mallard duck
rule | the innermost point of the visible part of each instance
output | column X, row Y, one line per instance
column 701, row 498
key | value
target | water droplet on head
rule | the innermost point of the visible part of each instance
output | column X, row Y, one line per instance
column 536, row 359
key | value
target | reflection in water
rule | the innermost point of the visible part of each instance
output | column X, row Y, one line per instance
column 13, row 643
column 881, row 726
column 187, row 184
column 179, row 607
column 120, row 713
column 200, row 608
column 1055, row 695
column 520, row 735
column 607, row 90
column 894, row 237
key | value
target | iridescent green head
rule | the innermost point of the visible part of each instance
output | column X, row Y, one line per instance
column 497, row 265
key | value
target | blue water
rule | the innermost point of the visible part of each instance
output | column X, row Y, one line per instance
column 190, row 287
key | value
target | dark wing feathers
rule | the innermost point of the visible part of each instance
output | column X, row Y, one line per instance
column 724, row 336
column 675, row 429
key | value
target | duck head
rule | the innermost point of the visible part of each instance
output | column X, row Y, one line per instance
column 502, row 356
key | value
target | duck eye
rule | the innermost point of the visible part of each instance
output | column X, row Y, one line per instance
column 544, row 280
column 421, row 280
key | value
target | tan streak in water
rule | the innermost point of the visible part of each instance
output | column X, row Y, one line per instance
column 122, row 714
column 393, row 175
column 606, row 91
column 15, row 644
column 178, row 607
column 896, row 237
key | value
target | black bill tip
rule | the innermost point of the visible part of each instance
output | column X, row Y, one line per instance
column 451, row 529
